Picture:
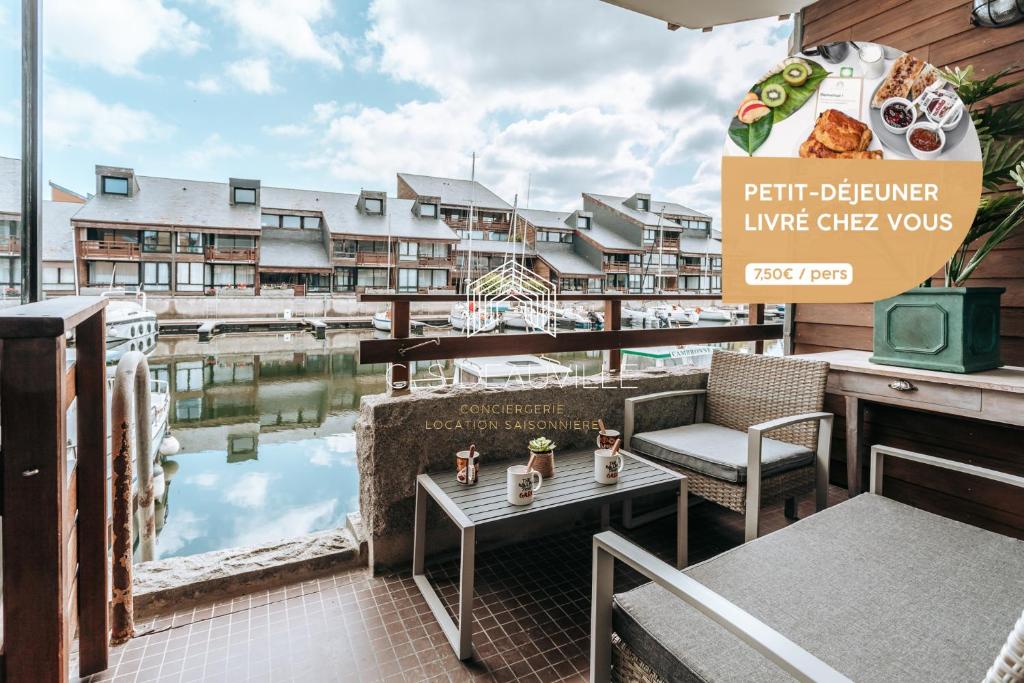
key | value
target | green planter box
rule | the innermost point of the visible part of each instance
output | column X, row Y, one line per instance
column 952, row 329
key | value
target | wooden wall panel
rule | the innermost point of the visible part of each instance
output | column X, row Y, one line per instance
column 940, row 32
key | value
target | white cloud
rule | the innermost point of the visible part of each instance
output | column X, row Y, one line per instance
column 289, row 26
column 295, row 522
column 205, row 480
column 115, row 36
column 206, row 84
column 213, row 149
column 252, row 75
column 323, row 111
column 250, row 491
column 287, row 130
column 76, row 118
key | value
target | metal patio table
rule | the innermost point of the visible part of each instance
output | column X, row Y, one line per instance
column 485, row 503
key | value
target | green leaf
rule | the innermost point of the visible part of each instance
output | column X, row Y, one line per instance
column 750, row 137
column 796, row 95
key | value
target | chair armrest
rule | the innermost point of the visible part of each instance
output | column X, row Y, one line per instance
column 629, row 418
column 779, row 422
column 609, row 546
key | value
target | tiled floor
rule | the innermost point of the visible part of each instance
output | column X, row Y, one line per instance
column 532, row 618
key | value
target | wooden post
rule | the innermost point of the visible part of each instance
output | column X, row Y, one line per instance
column 93, row 583
column 755, row 316
column 36, row 639
column 613, row 321
column 399, row 382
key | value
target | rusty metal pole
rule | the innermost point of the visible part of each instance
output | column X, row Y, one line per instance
column 131, row 389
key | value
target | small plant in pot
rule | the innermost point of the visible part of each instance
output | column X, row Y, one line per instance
column 542, row 456
column 955, row 328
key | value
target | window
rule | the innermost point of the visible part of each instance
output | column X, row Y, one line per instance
column 474, row 234
column 245, row 195
column 271, row 220
column 372, row 277
column 487, row 219
column 344, row 248
column 498, row 236
column 190, row 243
column 408, row 251
column 344, row 279
column 433, row 250
column 428, row 210
column 59, row 277
column 226, row 275
column 235, row 242
column 583, row 222
column 635, row 284
column 291, row 222
column 618, row 281
column 595, row 285
column 650, row 236
column 642, row 204
column 115, row 185
column 408, row 280
column 379, row 247
column 311, row 222
column 10, row 271
column 371, row 205
column 436, row 279
column 107, row 273
column 156, row 276
column 189, row 277
column 156, row 242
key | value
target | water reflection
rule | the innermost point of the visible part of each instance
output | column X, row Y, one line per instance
column 265, row 424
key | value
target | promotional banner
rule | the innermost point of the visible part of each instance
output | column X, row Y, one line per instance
column 847, row 177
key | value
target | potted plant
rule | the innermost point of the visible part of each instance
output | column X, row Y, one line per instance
column 542, row 456
column 955, row 328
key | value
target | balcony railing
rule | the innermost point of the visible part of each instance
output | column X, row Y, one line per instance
column 373, row 258
column 436, row 262
column 109, row 249
column 219, row 254
column 478, row 224
column 615, row 267
column 667, row 244
column 10, row 245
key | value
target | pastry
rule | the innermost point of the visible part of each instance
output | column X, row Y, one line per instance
column 902, row 75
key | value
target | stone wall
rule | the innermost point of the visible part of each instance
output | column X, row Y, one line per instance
column 400, row 437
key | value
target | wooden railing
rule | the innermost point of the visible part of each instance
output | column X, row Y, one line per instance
column 615, row 267
column 436, row 262
column 372, row 258
column 54, row 508
column 219, row 254
column 478, row 224
column 110, row 249
column 10, row 245
column 667, row 244
column 399, row 350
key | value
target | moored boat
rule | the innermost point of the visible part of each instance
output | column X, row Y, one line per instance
column 382, row 321
column 715, row 314
column 463, row 318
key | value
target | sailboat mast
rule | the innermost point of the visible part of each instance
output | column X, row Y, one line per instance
column 469, row 221
column 661, row 246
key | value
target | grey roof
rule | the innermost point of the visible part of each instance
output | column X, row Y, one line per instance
column 546, row 219
column 58, row 236
column 700, row 245
column 282, row 252
column 10, row 185
column 609, row 239
column 492, row 247
column 455, row 192
column 171, row 202
column 343, row 218
column 563, row 259
column 648, row 217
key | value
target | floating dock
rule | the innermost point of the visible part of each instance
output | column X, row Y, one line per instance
column 206, row 329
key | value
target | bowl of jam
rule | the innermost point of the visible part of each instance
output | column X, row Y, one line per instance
column 898, row 114
column 926, row 140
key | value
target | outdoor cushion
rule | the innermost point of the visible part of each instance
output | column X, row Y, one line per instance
column 718, row 452
column 878, row 590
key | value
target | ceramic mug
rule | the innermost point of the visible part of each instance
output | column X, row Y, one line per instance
column 466, row 468
column 606, row 438
column 522, row 484
column 607, row 466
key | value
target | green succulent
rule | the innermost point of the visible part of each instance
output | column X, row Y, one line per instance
column 541, row 444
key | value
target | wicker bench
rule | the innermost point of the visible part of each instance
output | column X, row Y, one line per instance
column 868, row 590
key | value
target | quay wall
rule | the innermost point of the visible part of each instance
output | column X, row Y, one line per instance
column 401, row 437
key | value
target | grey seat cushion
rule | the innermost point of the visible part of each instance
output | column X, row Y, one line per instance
column 718, row 452
column 878, row 590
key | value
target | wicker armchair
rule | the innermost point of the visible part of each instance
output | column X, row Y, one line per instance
column 725, row 451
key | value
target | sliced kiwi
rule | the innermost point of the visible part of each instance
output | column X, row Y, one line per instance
column 773, row 94
column 796, row 74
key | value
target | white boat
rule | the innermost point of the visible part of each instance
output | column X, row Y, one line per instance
column 507, row 370
column 524, row 319
column 715, row 314
column 642, row 318
column 579, row 318
column 473, row 321
column 130, row 327
column 382, row 321
column 675, row 315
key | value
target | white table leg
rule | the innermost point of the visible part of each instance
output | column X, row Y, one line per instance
column 682, row 524
column 466, row 572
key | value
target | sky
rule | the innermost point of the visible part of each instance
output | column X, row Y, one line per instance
column 555, row 97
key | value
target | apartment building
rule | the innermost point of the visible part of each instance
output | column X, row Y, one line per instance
column 354, row 242
column 562, row 255
column 491, row 225
column 674, row 247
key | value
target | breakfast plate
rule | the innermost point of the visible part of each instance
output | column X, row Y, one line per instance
column 897, row 142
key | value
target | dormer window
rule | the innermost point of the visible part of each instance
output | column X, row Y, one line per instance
column 428, row 210
column 115, row 185
column 583, row 222
column 245, row 195
column 643, row 204
column 373, row 206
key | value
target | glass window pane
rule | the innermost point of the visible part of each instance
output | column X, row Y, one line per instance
column 112, row 185
column 245, row 195
column 310, row 222
column 271, row 220
column 373, row 205
column 291, row 221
